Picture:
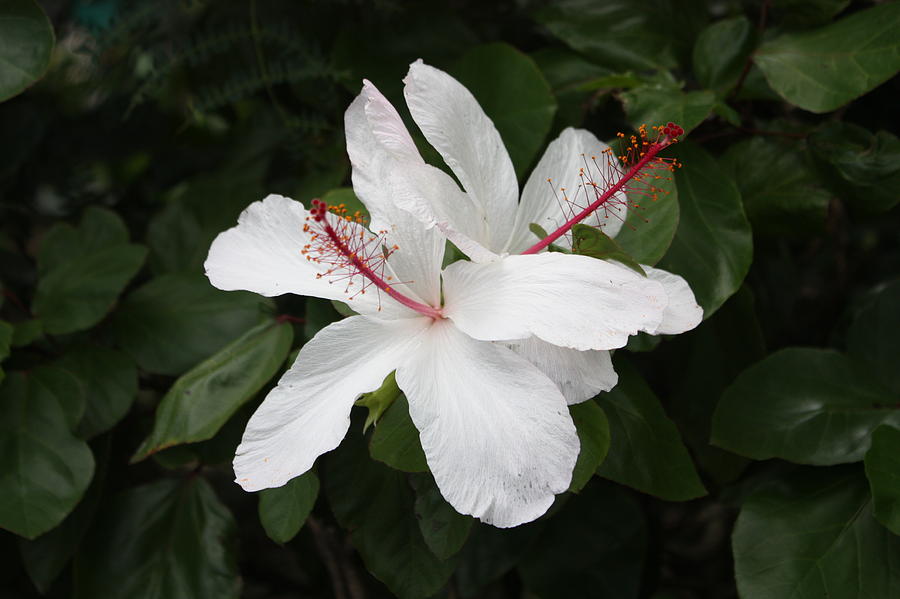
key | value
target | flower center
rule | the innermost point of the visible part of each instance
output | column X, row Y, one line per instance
column 349, row 252
column 636, row 171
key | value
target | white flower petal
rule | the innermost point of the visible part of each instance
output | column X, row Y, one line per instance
column 565, row 299
column 262, row 254
column 682, row 312
column 433, row 198
column 543, row 203
column 496, row 432
column 308, row 412
column 454, row 123
column 378, row 144
column 580, row 375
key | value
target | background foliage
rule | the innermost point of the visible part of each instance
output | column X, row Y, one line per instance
column 757, row 456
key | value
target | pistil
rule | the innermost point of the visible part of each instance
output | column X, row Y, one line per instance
column 640, row 157
column 349, row 250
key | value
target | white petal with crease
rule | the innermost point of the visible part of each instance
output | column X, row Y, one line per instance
column 308, row 412
column 455, row 124
column 567, row 300
column 496, row 432
column 682, row 312
column 544, row 203
column 580, row 375
column 262, row 254
column 434, row 199
column 379, row 144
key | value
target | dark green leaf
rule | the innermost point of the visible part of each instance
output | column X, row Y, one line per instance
column 713, row 246
column 650, row 224
column 170, row 539
column 702, row 364
column 573, row 80
column 176, row 320
column 823, row 69
column 873, row 336
column 82, row 271
column 317, row 314
column 721, row 52
column 806, row 13
column 444, row 529
column 808, row 406
column 6, row 336
column 646, row 451
column 45, row 468
column 27, row 332
column 617, row 33
column 26, row 42
column 812, row 534
column 781, row 194
column 283, row 511
column 395, row 440
column 883, row 471
column 658, row 104
column 47, row 556
column 110, row 382
column 597, row 541
column 514, row 94
column 377, row 505
column 864, row 167
column 591, row 241
column 492, row 552
column 593, row 434
column 378, row 401
column 200, row 402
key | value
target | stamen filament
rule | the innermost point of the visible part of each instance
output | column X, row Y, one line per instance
column 648, row 156
column 376, row 280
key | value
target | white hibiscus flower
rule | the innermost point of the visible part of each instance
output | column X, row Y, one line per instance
column 488, row 222
column 493, row 422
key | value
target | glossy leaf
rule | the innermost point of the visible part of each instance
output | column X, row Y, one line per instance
column 659, row 104
column 45, row 468
column 781, row 193
column 177, row 320
column 721, row 52
column 283, row 510
column 395, row 440
column 812, row 534
column 631, row 38
column 823, row 69
column 597, row 541
column 170, row 539
column 26, row 42
column 883, row 471
column 46, row 557
column 444, row 529
column 646, row 451
column 864, row 167
column 203, row 399
column 110, row 382
column 512, row 91
column 591, row 241
column 83, row 270
column 713, row 246
column 650, row 224
column 377, row 505
column 593, row 434
column 873, row 336
column 808, row 406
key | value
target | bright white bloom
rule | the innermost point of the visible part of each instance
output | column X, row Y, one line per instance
column 494, row 425
column 488, row 222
